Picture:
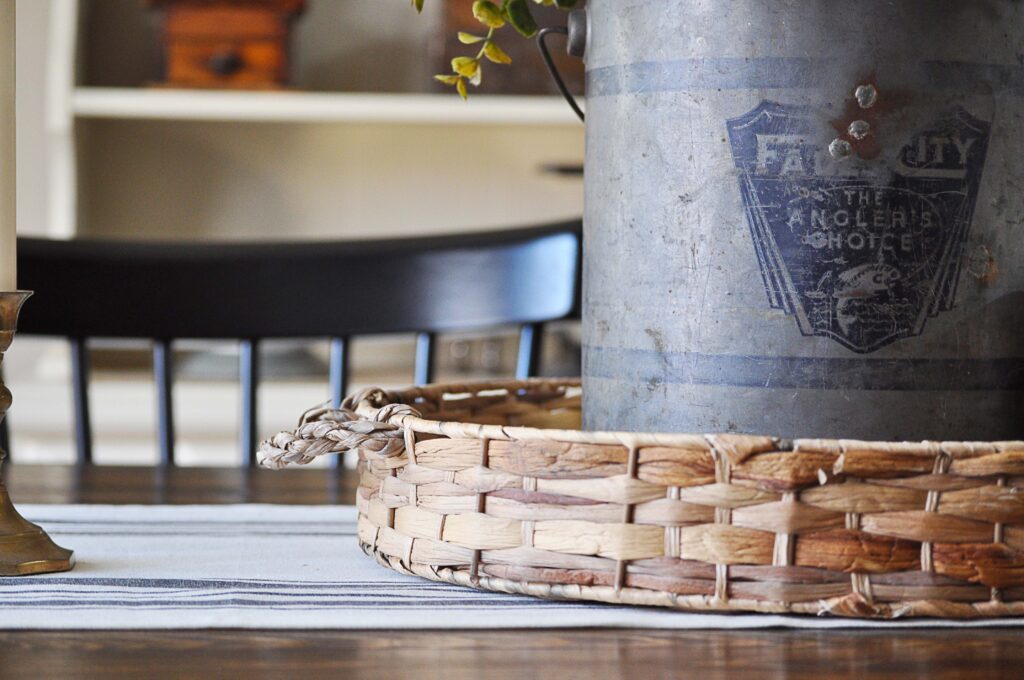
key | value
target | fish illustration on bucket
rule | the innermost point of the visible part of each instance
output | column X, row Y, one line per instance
column 856, row 251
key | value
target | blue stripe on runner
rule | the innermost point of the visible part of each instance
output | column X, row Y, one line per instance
column 207, row 583
column 497, row 602
column 198, row 534
column 195, row 584
column 68, row 526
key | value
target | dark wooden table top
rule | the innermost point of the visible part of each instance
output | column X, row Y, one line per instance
column 562, row 654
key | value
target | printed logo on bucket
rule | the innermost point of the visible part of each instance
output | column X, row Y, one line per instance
column 858, row 253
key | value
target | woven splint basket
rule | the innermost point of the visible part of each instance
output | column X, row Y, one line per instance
column 491, row 486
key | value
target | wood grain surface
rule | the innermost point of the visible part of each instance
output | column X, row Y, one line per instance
column 935, row 654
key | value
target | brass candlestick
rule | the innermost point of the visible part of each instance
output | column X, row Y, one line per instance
column 24, row 547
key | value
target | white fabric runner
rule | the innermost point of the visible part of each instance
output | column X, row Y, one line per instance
column 274, row 566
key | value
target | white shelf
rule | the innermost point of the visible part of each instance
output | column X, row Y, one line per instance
column 318, row 107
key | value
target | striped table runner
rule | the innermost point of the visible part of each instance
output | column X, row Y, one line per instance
column 272, row 566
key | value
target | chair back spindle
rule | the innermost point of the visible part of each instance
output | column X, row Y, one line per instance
column 163, row 374
column 339, row 366
column 426, row 357
column 249, row 372
column 528, row 357
column 80, row 398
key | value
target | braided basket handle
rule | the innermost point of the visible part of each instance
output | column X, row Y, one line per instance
column 323, row 430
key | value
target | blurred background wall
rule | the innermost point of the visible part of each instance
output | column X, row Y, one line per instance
column 143, row 172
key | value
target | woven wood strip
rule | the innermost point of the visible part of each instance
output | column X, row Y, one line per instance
column 492, row 485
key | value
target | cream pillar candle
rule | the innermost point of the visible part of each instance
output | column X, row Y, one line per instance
column 8, row 261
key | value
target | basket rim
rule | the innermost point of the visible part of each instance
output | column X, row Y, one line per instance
column 728, row 523
column 370, row 402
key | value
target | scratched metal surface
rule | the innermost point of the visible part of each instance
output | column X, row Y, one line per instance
column 805, row 218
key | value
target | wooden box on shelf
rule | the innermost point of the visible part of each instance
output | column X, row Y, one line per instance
column 240, row 44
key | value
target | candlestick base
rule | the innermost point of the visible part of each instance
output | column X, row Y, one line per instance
column 24, row 547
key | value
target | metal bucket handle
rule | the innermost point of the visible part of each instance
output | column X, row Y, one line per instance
column 577, row 36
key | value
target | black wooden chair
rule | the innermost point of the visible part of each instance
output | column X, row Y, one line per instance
column 256, row 291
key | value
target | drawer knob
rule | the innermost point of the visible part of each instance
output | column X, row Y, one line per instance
column 226, row 62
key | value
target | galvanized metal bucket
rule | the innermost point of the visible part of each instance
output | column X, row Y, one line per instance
column 805, row 217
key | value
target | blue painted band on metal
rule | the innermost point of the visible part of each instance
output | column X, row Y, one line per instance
column 784, row 73
column 855, row 373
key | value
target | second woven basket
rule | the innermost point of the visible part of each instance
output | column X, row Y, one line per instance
column 491, row 485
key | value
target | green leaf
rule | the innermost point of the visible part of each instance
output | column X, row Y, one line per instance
column 466, row 66
column 496, row 54
column 488, row 14
column 518, row 14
